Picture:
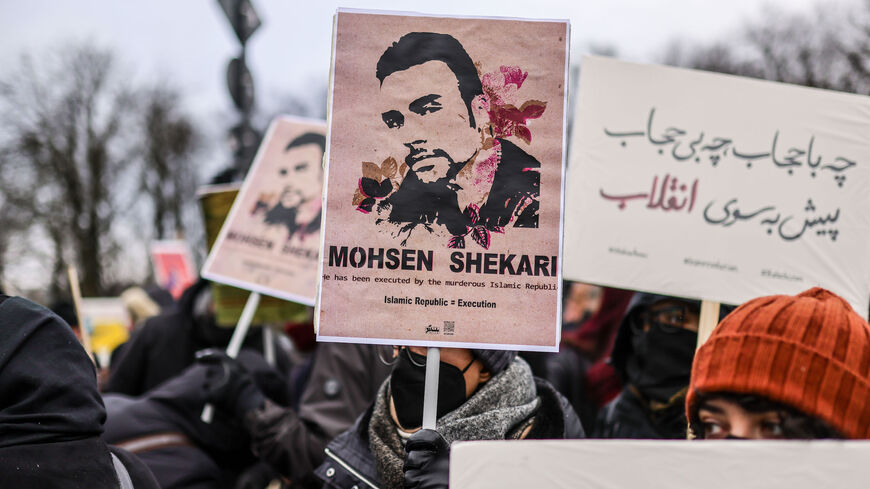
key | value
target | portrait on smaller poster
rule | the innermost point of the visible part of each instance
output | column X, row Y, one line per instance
column 270, row 241
column 215, row 202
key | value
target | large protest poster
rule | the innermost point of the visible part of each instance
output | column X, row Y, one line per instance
column 270, row 240
column 215, row 202
column 443, row 190
column 659, row 464
column 173, row 266
column 717, row 187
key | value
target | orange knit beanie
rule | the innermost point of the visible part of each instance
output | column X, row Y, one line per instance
column 810, row 351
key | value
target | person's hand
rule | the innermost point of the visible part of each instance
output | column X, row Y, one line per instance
column 257, row 476
column 427, row 462
column 228, row 385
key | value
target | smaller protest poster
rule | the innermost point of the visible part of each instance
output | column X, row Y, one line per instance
column 173, row 266
column 271, row 238
column 717, row 187
column 444, row 181
column 108, row 322
column 215, row 203
column 658, row 464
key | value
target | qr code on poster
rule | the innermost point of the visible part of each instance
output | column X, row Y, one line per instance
column 448, row 327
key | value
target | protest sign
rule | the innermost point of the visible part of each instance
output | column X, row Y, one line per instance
column 602, row 464
column 269, row 242
column 215, row 202
column 443, row 191
column 717, row 187
column 173, row 266
column 107, row 322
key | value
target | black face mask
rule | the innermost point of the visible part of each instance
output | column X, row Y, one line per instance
column 661, row 364
column 407, row 383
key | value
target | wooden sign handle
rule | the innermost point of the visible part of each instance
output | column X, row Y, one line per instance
column 73, row 276
column 708, row 320
column 706, row 324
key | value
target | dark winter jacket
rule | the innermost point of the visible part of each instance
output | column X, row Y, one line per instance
column 628, row 416
column 343, row 382
column 51, row 414
column 163, row 428
column 165, row 345
column 350, row 463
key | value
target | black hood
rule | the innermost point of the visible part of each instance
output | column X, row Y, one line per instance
column 48, row 385
column 622, row 347
column 204, row 330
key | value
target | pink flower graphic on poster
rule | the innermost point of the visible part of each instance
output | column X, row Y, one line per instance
column 499, row 101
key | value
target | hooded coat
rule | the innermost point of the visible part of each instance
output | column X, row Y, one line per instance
column 51, row 414
column 635, row 414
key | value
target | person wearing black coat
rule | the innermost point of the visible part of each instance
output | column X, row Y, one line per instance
column 483, row 395
column 51, row 414
column 163, row 428
column 167, row 344
column 342, row 383
column 653, row 355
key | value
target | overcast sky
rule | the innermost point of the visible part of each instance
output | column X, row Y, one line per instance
column 190, row 42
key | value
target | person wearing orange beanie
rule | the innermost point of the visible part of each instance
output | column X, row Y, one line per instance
column 795, row 367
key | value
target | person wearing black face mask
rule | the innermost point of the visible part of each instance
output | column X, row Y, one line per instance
column 653, row 357
column 483, row 395
column 408, row 381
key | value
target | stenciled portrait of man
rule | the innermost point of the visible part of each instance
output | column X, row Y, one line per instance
column 459, row 175
column 296, row 206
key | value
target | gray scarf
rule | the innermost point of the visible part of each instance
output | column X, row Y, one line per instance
column 500, row 409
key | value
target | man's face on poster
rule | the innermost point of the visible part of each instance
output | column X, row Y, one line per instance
column 299, row 174
column 424, row 108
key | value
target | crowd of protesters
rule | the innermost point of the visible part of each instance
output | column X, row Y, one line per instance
column 350, row 415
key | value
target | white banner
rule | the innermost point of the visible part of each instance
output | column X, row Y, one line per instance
column 654, row 464
column 717, row 187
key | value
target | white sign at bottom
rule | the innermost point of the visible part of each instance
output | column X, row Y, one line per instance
column 674, row 464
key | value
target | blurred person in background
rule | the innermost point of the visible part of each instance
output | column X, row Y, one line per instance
column 784, row 367
column 580, row 302
column 653, row 355
column 140, row 305
column 166, row 344
column 342, row 383
column 163, row 428
column 580, row 370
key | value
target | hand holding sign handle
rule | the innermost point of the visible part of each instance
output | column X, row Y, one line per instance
column 236, row 343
